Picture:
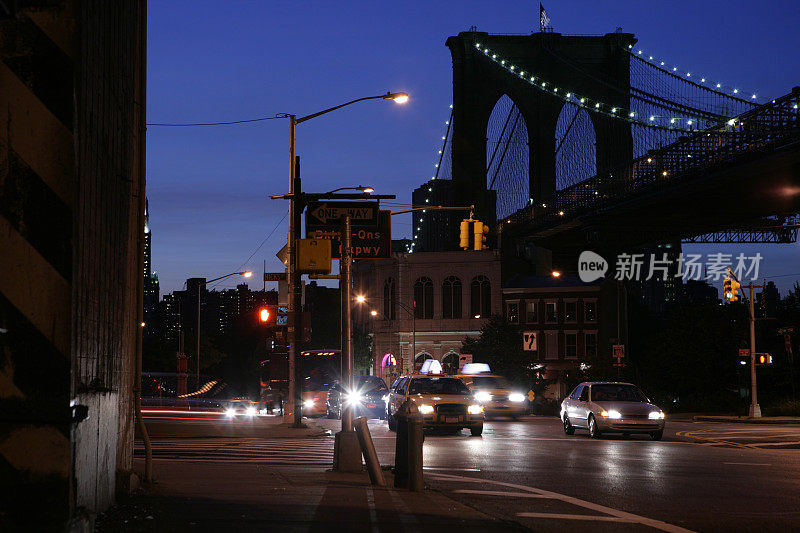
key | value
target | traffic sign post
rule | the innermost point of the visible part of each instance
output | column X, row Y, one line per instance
column 529, row 341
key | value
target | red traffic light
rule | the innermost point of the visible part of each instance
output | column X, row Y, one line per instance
column 264, row 315
column 268, row 315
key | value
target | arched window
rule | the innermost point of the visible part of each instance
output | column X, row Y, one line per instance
column 450, row 363
column 423, row 298
column 451, row 297
column 480, row 297
column 389, row 299
column 421, row 358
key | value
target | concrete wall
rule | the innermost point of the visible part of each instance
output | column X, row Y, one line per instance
column 69, row 233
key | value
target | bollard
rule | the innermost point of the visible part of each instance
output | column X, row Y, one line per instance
column 408, row 447
column 401, row 444
column 415, row 438
column 368, row 450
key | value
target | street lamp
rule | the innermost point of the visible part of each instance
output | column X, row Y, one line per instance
column 374, row 313
column 292, row 276
column 200, row 285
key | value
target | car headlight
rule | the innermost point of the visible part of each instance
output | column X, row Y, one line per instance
column 611, row 414
column 516, row 397
column 475, row 409
column 656, row 415
column 230, row 412
column 426, row 409
column 483, row 396
column 308, row 404
column 251, row 411
column 355, row 398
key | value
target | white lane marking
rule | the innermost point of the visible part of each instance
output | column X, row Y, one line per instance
column 592, row 517
column 749, row 464
column 451, row 469
column 657, row 524
column 499, row 493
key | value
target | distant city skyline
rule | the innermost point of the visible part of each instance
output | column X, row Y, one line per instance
column 209, row 186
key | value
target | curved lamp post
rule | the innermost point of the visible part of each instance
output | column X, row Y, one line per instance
column 292, row 277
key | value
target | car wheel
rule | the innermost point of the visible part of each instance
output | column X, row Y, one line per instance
column 656, row 435
column 593, row 431
column 568, row 428
column 391, row 421
column 476, row 430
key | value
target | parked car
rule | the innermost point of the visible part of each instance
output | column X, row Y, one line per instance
column 368, row 398
column 611, row 407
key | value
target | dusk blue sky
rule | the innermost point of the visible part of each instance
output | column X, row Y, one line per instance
column 209, row 187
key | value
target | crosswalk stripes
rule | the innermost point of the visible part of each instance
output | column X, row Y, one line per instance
column 317, row 451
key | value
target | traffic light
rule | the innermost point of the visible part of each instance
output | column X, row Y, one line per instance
column 730, row 289
column 480, row 230
column 268, row 315
column 464, row 235
column 764, row 359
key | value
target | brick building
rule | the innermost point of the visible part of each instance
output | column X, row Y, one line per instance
column 423, row 305
column 573, row 322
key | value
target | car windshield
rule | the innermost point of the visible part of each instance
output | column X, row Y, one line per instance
column 617, row 393
column 369, row 383
column 487, row 382
column 437, row 386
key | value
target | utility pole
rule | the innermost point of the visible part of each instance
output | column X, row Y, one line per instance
column 755, row 409
column 292, row 413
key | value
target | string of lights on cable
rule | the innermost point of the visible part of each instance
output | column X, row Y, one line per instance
column 673, row 123
column 440, row 156
column 717, row 87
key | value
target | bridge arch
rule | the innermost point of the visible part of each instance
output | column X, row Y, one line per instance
column 589, row 65
column 575, row 146
column 508, row 156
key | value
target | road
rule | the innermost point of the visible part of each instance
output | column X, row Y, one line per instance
column 701, row 477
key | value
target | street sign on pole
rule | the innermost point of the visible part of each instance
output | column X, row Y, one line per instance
column 529, row 341
column 283, row 254
column 618, row 351
column 330, row 214
column 274, row 276
column 744, row 353
column 366, row 242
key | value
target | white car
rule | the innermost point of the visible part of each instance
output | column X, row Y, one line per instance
column 611, row 407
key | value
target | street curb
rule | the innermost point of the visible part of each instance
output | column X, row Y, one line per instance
column 744, row 420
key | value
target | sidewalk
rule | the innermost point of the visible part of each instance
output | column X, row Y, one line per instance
column 222, row 496
column 747, row 420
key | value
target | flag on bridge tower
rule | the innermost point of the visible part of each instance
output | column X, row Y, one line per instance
column 544, row 20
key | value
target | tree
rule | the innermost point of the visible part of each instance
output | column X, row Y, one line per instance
column 362, row 350
column 500, row 345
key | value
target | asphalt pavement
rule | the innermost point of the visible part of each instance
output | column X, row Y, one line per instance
column 703, row 476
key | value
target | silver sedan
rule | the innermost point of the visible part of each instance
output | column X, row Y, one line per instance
column 611, row 407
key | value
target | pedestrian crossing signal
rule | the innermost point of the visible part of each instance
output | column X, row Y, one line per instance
column 268, row 315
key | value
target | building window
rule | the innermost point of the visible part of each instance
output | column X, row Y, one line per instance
column 450, row 363
column 551, row 345
column 571, row 311
column 512, row 312
column 389, row 299
column 550, row 313
column 531, row 312
column 570, row 345
column 590, row 311
column 480, row 297
column 420, row 359
column 423, row 298
column 451, row 297
column 590, row 343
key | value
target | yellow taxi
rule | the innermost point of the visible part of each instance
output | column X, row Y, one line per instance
column 493, row 392
column 444, row 402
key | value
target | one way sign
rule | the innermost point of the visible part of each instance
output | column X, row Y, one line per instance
column 331, row 213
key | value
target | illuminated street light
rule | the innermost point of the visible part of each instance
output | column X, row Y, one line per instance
column 556, row 274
